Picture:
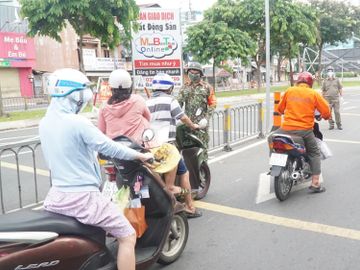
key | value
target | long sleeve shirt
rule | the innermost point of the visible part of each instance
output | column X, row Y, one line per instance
column 298, row 105
column 69, row 143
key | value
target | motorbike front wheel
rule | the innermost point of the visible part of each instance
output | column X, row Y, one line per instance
column 205, row 179
column 283, row 183
column 176, row 240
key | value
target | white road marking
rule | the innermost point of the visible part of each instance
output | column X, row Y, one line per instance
column 342, row 141
column 351, row 114
column 349, row 108
column 17, row 137
column 15, row 130
column 264, row 187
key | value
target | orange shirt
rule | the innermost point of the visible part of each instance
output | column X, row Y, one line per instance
column 298, row 105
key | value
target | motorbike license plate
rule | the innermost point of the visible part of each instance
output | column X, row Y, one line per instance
column 278, row 159
column 109, row 190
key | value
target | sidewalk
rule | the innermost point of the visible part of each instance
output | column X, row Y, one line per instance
column 11, row 125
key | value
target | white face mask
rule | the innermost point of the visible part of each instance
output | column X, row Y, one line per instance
column 331, row 74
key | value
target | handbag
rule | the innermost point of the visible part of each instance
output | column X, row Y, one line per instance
column 136, row 217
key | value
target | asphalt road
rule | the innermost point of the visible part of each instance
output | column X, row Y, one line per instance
column 308, row 231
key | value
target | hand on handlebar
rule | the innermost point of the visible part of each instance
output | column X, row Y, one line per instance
column 195, row 127
column 146, row 157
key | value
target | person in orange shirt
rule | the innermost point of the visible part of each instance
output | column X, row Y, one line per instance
column 298, row 105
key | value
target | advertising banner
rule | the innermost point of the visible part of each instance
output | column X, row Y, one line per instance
column 157, row 45
column 16, row 50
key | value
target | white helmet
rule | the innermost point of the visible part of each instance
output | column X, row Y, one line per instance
column 120, row 78
column 71, row 86
column 162, row 81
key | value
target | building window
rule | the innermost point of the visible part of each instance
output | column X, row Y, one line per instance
column 107, row 53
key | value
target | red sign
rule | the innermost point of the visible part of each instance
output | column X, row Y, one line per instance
column 168, row 63
column 18, row 49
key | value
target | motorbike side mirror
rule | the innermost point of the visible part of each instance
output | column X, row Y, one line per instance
column 148, row 135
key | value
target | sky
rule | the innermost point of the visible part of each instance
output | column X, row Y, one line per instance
column 198, row 4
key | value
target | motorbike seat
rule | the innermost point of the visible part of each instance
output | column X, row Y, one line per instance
column 30, row 220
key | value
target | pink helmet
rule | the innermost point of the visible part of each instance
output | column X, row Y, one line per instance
column 305, row 77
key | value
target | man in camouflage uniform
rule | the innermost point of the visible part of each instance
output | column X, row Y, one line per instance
column 199, row 100
column 332, row 91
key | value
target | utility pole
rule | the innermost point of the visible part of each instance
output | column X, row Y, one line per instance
column 267, row 49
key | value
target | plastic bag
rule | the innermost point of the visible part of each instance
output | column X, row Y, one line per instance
column 136, row 217
column 324, row 149
column 122, row 197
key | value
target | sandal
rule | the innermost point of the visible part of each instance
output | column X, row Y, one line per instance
column 194, row 214
column 318, row 189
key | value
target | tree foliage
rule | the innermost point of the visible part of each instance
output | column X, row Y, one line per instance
column 216, row 41
column 100, row 19
column 337, row 22
column 289, row 25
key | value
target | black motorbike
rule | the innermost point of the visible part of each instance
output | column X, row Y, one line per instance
column 192, row 150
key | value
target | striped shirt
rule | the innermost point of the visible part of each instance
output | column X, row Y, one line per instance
column 164, row 107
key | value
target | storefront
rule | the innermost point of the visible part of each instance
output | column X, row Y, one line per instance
column 17, row 59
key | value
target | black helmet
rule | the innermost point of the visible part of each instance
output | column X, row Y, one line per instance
column 195, row 66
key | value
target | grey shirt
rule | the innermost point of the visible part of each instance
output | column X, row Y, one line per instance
column 331, row 87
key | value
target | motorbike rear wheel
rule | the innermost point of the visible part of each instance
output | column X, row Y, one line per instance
column 205, row 179
column 176, row 240
column 283, row 183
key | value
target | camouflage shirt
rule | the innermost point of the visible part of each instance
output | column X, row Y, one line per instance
column 194, row 97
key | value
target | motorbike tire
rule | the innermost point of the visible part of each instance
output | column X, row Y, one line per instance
column 283, row 183
column 174, row 246
column 205, row 179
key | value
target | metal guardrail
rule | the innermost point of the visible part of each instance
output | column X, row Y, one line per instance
column 13, row 185
column 23, row 183
column 12, row 104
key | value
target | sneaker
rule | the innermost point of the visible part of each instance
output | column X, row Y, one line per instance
column 330, row 128
column 340, row 128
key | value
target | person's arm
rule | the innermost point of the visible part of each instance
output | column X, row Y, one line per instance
column 282, row 104
column 322, row 106
column 340, row 87
column 178, row 114
column 101, row 121
column 99, row 142
column 186, row 120
column 181, row 97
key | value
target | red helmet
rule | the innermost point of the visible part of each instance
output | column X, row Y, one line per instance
column 305, row 77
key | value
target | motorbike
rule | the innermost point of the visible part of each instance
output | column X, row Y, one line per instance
column 192, row 150
column 40, row 239
column 289, row 162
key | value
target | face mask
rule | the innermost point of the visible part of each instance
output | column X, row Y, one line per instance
column 194, row 77
column 331, row 74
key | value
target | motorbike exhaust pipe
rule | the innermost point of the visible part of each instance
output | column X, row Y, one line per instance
column 295, row 175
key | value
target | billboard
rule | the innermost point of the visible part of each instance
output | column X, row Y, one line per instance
column 157, row 46
column 16, row 50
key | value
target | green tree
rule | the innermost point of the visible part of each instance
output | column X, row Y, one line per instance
column 337, row 22
column 294, row 26
column 100, row 19
column 288, row 25
column 217, row 42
